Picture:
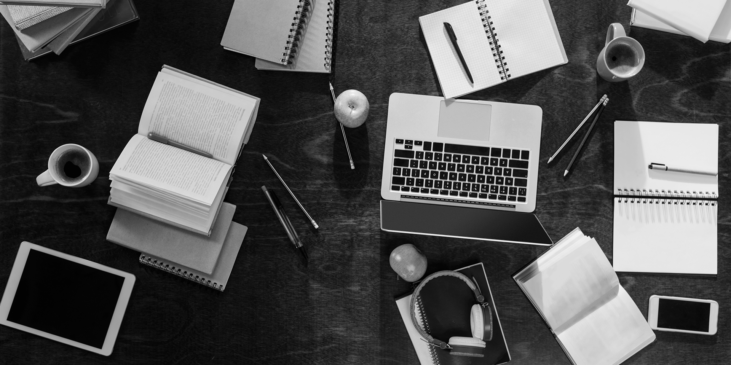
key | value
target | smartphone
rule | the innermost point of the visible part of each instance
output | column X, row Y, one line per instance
column 687, row 315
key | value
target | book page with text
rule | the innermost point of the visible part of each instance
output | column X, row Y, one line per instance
column 568, row 289
column 198, row 115
column 609, row 335
column 163, row 167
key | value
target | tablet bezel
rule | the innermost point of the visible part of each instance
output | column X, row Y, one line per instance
column 14, row 280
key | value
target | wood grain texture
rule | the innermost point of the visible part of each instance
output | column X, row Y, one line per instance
column 340, row 310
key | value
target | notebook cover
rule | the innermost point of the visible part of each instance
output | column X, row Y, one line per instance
column 117, row 14
column 27, row 16
column 446, row 304
column 34, row 38
column 696, row 19
column 421, row 347
column 170, row 243
column 315, row 52
column 260, row 28
column 219, row 279
column 721, row 31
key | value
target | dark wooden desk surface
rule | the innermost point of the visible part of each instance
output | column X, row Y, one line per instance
column 340, row 310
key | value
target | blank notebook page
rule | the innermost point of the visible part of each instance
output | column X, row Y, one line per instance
column 472, row 39
column 526, row 31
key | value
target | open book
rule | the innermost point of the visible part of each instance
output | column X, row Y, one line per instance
column 183, row 182
column 574, row 288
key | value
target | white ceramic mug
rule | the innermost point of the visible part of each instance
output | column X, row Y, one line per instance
column 70, row 165
column 622, row 56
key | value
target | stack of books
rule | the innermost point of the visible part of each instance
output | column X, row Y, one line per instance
column 49, row 26
column 178, row 166
column 283, row 35
column 703, row 20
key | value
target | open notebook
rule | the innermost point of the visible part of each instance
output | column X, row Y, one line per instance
column 721, row 31
column 575, row 290
column 500, row 40
column 315, row 53
column 696, row 19
column 664, row 221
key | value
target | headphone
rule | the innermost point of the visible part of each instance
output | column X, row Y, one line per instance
column 480, row 320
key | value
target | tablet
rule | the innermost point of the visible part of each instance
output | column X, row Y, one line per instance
column 65, row 298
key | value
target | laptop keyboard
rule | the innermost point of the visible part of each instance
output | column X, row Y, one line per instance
column 444, row 170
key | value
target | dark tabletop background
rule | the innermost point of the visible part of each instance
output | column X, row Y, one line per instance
column 340, row 310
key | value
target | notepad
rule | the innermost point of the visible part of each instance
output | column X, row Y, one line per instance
column 696, row 19
column 721, row 31
column 500, row 40
column 664, row 221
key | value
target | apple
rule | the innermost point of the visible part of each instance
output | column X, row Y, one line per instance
column 408, row 262
column 351, row 108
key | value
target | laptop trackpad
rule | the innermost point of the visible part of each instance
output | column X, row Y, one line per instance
column 464, row 120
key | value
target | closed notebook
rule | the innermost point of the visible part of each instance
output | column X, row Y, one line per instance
column 71, row 3
column 27, row 16
column 664, row 221
column 315, row 54
column 172, row 244
column 500, row 40
column 443, row 310
column 270, row 30
column 696, row 19
column 219, row 279
column 34, row 38
column 63, row 40
column 721, row 31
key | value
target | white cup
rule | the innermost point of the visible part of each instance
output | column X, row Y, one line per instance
column 70, row 165
column 622, row 56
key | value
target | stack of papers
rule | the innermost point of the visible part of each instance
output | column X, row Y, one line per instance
column 44, row 26
column 703, row 19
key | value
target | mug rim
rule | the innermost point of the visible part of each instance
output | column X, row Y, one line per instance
column 52, row 170
column 638, row 68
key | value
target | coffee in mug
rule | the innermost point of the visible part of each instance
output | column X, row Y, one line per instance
column 70, row 165
column 622, row 56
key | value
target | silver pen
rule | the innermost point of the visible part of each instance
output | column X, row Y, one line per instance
column 663, row 167
column 342, row 129
column 158, row 138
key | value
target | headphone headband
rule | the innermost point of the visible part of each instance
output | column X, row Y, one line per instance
column 475, row 290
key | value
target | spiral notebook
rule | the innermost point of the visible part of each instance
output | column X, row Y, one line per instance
column 445, row 312
column 500, row 40
column 664, row 221
column 315, row 53
column 271, row 30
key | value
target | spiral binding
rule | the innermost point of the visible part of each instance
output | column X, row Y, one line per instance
column 330, row 31
column 297, row 32
column 425, row 325
column 684, row 202
column 495, row 47
column 164, row 266
column 682, row 194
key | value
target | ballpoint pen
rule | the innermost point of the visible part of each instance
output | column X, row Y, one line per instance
column 663, row 167
column 158, row 138
column 577, row 128
column 342, row 129
column 286, row 223
column 314, row 224
column 453, row 39
column 586, row 136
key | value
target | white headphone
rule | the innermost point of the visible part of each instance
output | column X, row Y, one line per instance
column 480, row 321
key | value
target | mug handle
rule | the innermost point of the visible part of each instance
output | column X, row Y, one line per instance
column 45, row 179
column 615, row 30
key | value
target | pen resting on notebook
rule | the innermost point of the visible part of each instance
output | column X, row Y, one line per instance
column 663, row 167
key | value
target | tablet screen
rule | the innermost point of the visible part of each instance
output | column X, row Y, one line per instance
column 66, row 299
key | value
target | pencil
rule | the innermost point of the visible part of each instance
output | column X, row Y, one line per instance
column 586, row 136
column 314, row 224
column 342, row 129
column 577, row 128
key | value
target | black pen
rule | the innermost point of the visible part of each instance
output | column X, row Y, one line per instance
column 453, row 39
column 586, row 136
column 286, row 223
column 158, row 138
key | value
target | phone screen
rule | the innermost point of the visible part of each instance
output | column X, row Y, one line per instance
column 683, row 315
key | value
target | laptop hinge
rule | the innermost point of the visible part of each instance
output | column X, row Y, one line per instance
column 448, row 201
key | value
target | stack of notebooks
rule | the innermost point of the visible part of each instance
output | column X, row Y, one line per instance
column 178, row 166
column 45, row 26
column 204, row 260
column 703, row 19
column 499, row 39
column 283, row 35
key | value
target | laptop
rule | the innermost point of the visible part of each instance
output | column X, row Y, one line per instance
column 462, row 168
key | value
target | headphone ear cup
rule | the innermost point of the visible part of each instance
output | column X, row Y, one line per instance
column 481, row 322
column 466, row 346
